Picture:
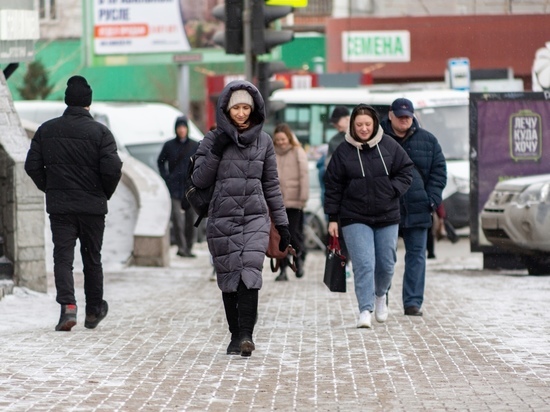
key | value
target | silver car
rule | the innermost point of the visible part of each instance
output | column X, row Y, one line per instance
column 516, row 218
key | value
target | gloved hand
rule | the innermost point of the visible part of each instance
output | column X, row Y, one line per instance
column 220, row 143
column 285, row 237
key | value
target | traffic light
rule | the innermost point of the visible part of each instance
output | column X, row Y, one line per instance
column 266, row 86
column 264, row 38
column 232, row 14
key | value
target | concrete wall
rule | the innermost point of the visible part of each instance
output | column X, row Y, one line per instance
column 152, row 230
column 21, row 203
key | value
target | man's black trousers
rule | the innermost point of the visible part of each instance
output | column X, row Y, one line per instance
column 89, row 229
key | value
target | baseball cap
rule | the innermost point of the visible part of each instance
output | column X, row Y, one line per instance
column 402, row 107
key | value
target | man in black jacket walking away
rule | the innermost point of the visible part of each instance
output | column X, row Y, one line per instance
column 74, row 160
column 422, row 198
column 173, row 164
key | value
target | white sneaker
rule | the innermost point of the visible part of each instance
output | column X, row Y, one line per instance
column 380, row 309
column 364, row 320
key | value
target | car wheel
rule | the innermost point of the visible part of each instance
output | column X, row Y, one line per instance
column 314, row 233
column 537, row 265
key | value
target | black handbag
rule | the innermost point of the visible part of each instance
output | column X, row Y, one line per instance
column 335, row 267
column 198, row 198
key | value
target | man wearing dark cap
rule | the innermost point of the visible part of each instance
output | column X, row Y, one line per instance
column 74, row 160
column 422, row 198
column 173, row 164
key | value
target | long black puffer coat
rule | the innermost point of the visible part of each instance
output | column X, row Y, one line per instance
column 74, row 160
column 246, row 190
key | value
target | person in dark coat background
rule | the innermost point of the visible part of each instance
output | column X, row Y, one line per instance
column 239, row 159
column 339, row 118
column 366, row 176
column 74, row 160
column 173, row 164
column 421, row 200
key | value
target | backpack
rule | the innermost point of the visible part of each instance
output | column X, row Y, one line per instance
column 198, row 198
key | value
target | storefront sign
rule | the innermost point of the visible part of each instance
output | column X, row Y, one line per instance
column 126, row 26
column 376, row 46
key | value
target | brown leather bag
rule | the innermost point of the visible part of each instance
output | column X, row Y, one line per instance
column 275, row 254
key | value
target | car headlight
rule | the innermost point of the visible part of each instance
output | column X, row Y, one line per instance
column 536, row 193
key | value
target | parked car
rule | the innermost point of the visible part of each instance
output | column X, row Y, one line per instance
column 516, row 218
column 139, row 128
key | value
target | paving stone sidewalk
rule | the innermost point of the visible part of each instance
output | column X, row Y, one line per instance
column 482, row 345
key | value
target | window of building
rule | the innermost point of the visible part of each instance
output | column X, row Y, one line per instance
column 47, row 9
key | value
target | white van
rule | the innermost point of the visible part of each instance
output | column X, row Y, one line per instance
column 139, row 128
column 443, row 112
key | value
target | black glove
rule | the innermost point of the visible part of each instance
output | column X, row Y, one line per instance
column 220, row 143
column 285, row 237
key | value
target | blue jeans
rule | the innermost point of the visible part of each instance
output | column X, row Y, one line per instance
column 373, row 256
column 415, row 266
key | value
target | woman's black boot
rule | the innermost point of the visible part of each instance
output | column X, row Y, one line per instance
column 248, row 311
column 232, row 314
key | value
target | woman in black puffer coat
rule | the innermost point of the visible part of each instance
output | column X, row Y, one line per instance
column 239, row 158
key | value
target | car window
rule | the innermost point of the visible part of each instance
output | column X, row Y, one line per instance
column 146, row 153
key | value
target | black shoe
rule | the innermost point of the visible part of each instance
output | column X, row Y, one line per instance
column 234, row 347
column 92, row 321
column 454, row 238
column 431, row 256
column 413, row 311
column 67, row 319
column 186, row 254
column 282, row 277
column 247, row 346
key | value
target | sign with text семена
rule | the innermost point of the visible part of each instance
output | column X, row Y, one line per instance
column 376, row 46
column 138, row 27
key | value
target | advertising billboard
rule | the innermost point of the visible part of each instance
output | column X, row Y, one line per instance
column 509, row 138
column 121, row 32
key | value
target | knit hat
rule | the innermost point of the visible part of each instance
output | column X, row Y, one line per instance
column 338, row 113
column 402, row 107
column 78, row 92
column 240, row 97
column 181, row 121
